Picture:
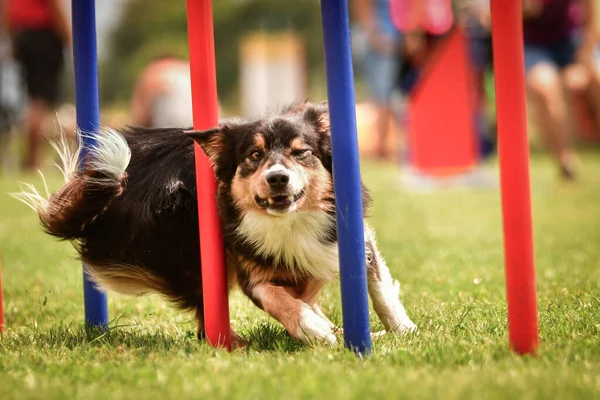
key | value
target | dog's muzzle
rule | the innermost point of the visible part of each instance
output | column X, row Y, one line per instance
column 281, row 202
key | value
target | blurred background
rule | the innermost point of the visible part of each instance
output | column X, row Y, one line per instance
column 423, row 73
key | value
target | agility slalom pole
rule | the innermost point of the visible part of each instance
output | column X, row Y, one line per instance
column 2, row 321
column 206, row 114
column 346, row 174
column 509, row 67
column 88, row 121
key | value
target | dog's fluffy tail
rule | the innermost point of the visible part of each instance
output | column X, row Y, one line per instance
column 87, row 191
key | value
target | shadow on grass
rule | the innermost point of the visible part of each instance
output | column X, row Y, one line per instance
column 262, row 338
column 271, row 338
column 75, row 336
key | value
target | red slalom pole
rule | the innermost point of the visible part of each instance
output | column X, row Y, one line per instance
column 205, row 108
column 509, row 70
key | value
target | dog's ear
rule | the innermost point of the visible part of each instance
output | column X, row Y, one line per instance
column 318, row 116
column 297, row 107
column 216, row 143
column 211, row 140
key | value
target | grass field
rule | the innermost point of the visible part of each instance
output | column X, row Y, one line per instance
column 445, row 248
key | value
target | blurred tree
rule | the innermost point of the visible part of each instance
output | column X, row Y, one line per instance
column 150, row 28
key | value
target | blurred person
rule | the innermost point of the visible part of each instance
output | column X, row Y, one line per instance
column 39, row 31
column 423, row 23
column 559, row 38
column 381, row 62
column 6, row 109
column 11, row 99
column 162, row 96
column 430, row 26
column 474, row 17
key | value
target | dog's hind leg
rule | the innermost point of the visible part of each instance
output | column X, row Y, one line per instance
column 384, row 290
column 236, row 341
column 200, row 322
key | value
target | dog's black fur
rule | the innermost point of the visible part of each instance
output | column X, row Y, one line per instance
column 154, row 223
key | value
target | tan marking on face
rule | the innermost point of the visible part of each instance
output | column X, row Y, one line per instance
column 243, row 190
column 297, row 144
column 300, row 178
column 240, row 192
column 258, row 184
column 259, row 141
column 324, row 123
column 318, row 186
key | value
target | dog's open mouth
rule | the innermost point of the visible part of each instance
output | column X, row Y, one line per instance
column 279, row 203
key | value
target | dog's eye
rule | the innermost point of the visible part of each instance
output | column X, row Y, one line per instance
column 303, row 153
column 255, row 155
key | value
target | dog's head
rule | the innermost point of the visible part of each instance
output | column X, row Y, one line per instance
column 277, row 165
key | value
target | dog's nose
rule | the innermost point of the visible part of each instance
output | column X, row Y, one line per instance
column 278, row 179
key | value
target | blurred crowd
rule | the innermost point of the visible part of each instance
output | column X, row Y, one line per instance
column 35, row 43
column 400, row 36
column 561, row 63
column 35, row 33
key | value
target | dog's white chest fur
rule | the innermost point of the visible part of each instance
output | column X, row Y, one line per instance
column 296, row 239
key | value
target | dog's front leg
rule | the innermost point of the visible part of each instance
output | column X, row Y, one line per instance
column 297, row 317
column 310, row 296
column 384, row 290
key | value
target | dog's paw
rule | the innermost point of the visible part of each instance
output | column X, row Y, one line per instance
column 378, row 334
column 321, row 314
column 405, row 326
column 313, row 328
column 237, row 343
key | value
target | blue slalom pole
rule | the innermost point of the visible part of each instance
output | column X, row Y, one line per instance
column 88, row 120
column 346, row 174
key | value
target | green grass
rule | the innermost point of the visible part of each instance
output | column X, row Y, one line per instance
column 438, row 245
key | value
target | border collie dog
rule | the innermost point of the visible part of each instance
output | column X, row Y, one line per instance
column 130, row 211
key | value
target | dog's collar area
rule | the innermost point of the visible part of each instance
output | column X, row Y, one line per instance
column 278, row 203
